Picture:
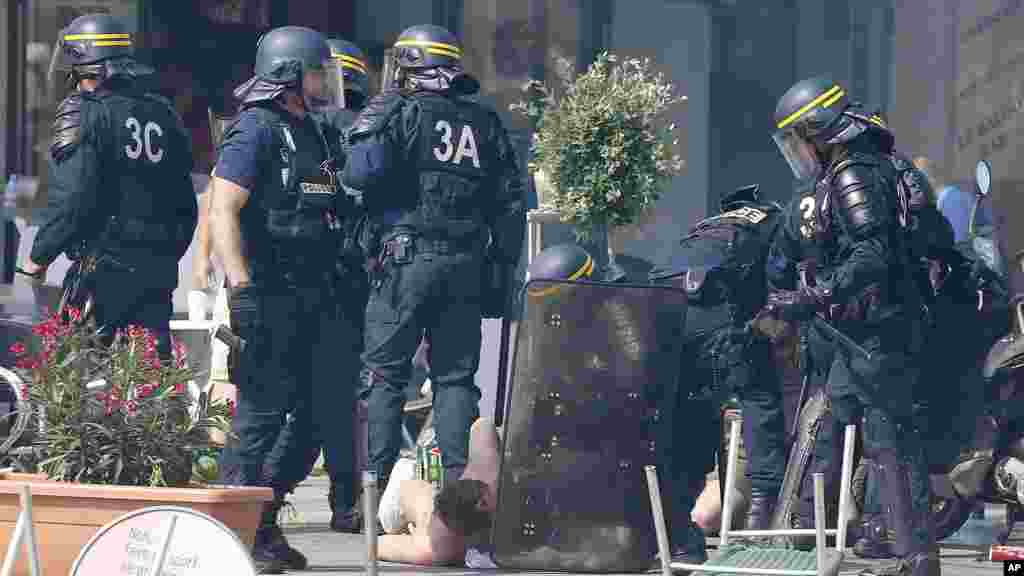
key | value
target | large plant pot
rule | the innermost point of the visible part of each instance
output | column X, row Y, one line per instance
column 67, row 515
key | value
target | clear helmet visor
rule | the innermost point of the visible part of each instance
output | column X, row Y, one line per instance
column 324, row 89
column 799, row 154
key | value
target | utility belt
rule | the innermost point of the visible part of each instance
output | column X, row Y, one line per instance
column 404, row 245
column 133, row 230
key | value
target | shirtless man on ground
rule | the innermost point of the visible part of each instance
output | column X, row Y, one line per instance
column 426, row 530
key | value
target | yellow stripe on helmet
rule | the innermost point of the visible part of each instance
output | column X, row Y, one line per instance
column 834, row 93
column 440, row 52
column 112, row 43
column 76, row 37
column 347, row 61
column 442, row 48
column 833, row 99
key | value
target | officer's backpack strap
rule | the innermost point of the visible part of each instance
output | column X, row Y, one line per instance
column 376, row 115
column 281, row 141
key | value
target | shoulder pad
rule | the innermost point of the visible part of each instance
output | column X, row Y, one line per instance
column 376, row 114
column 854, row 159
column 850, row 174
column 67, row 126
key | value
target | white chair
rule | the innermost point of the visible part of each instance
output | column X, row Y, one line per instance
column 826, row 562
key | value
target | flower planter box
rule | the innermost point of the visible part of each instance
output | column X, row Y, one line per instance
column 67, row 515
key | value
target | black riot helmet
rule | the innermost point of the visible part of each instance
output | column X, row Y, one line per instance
column 429, row 57
column 811, row 116
column 559, row 262
column 351, row 63
column 295, row 58
column 97, row 46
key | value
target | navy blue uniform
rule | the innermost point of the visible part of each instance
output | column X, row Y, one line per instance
column 444, row 195
column 290, row 237
column 291, row 459
column 121, row 191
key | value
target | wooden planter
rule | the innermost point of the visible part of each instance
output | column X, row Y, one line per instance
column 67, row 515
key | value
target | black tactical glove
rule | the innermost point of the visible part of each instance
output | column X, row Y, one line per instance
column 794, row 305
column 244, row 303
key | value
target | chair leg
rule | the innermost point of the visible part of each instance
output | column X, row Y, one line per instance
column 844, row 486
column 664, row 549
column 730, row 481
column 819, row 520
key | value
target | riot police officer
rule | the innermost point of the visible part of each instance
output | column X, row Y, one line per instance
column 722, row 263
column 274, row 226
column 121, row 199
column 445, row 198
column 846, row 252
column 290, row 459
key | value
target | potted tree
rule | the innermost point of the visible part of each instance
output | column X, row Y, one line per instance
column 602, row 150
column 115, row 430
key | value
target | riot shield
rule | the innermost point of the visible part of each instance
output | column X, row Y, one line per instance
column 594, row 368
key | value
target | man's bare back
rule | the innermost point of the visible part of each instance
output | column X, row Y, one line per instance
column 421, row 536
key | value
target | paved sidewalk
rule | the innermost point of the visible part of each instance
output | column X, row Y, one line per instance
column 333, row 554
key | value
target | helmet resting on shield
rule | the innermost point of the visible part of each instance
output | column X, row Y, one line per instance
column 296, row 58
column 809, row 117
column 559, row 262
column 351, row 61
column 429, row 57
column 97, row 46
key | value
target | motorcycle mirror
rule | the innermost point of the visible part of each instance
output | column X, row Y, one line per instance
column 983, row 177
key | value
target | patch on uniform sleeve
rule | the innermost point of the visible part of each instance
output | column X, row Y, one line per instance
column 748, row 213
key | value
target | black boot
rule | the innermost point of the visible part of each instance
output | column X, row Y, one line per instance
column 350, row 521
column 874, row 537
column 907, row 515
column 762, row 504
column 263, row 558
column 271, row 546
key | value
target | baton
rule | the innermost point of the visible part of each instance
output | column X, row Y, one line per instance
column 844, row 341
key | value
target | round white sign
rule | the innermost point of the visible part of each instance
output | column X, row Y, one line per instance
column 165, row 540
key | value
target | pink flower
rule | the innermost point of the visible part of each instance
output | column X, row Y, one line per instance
column 180, row 354
column 74, row 314
column 17, row 349
column 179, row 388
column 231, row 407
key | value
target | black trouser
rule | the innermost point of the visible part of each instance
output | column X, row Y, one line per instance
column 323, row 415
column 878, row 396
column 764, row 435
column 123, row 298
column 286, row 352
column 439, row 294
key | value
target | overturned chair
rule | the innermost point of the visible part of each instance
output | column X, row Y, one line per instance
column 767, row 560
